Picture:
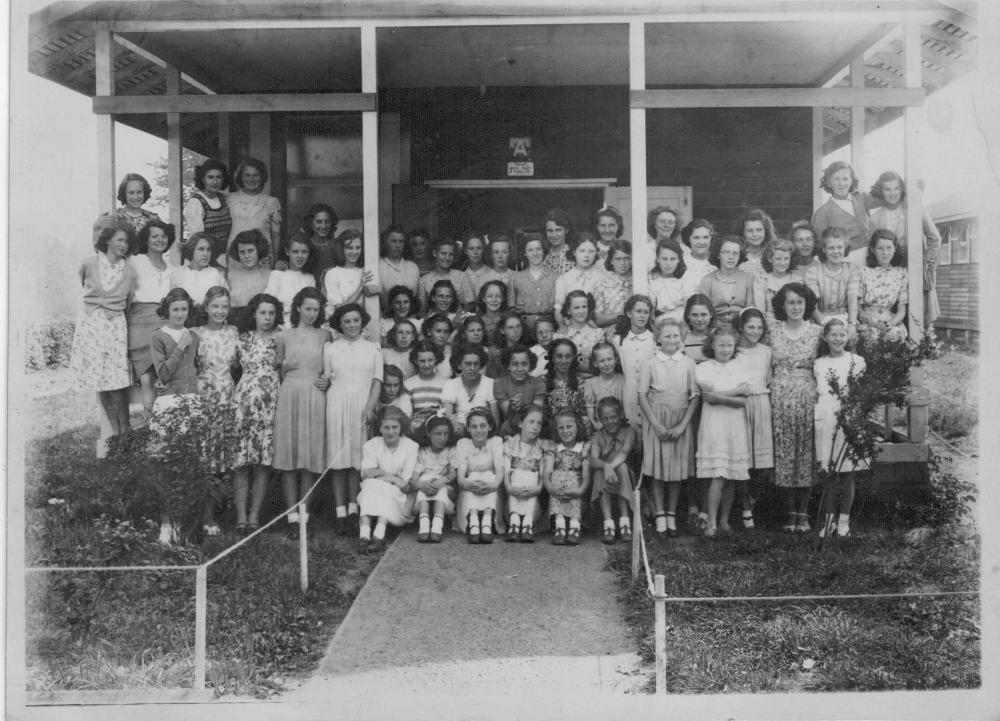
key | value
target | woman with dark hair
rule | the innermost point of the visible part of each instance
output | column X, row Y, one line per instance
column 418, row 249
column 249, row 207
column 99, row 357
column 756, row 229
column 697, row 241
column 794, row 344
column 890, row 191
column 806, row 244
column 245, row 274
column 133, row 192
column 469, row 388
column 207, row 210
column 558, row 229
column 402, row 305
column 730, row 289
column 393, row 268
column 846, row 208
column 616, row 288
column 300, row 417
column 884, row 287
column 319, row 226
column 153, row 271
column 578, row 309
column 354, row 366
column 491, row 304
column 301, row 273
column 444, row 259
column 563, row 386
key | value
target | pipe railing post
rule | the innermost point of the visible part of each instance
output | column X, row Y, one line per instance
column 660, row 629
column 201, row 624
column 303, row 548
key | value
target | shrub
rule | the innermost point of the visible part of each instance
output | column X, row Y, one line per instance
column 48, row 345
column 950, row 499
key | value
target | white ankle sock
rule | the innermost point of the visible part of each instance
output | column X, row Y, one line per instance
column 366, row 530
column 843, row 524
column 609, row 525
column 437, row 524
column 379, row 531
column 341, row 511
column 574, row 524
column 293, row 517
column 425, row 524
column 624, row 522
column 671, row 524
column 515, row 520
column 661, row 524
column 560, row 522
column 352, row 509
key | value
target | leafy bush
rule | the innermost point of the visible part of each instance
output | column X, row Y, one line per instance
column 48, row 345
column 949, row 501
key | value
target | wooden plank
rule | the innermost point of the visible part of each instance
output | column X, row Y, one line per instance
column 903, row 453
column 156, row 60
column 114, row 696
column 776, row 97
column 248, row 103
column 954, row 42
column 877, row 72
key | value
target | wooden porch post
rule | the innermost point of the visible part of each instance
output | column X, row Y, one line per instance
column 817, row 155
column 914, row 219
column 858, row 120
column 369, row 152
column 104, row 70
column 637, row 161
column 175, row 170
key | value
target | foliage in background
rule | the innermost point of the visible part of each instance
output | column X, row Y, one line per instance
column 159, row 201
column 47, row 346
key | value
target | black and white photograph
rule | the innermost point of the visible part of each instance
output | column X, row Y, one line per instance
column 502, row 359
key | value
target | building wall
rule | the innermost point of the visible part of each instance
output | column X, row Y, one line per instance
column 734, row 158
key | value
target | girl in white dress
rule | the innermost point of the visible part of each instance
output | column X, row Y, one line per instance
column 755, row 358
column 479, row 461
column 831, row 450
column 349, row 283
column 387, row 467
column 523, row 455
column 354, row 366
column 666, row 281
column 285, row 284
column 723, row 438
column 434, row 478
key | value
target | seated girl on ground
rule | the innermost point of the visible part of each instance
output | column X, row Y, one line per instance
column 387, row 465
column 434, row 478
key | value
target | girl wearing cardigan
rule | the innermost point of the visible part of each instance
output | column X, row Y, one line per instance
column 100, row 343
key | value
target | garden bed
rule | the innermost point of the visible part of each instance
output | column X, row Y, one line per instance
column 863, row 645
column 128, row 630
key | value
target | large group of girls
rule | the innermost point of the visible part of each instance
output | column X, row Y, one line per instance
column 509, row 388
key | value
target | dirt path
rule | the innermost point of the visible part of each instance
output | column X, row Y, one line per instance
column 461, row 623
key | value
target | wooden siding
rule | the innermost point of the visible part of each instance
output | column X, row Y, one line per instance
column 958, row 294
column 734, row 158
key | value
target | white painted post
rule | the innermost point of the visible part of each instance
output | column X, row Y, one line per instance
column 636, row 530
column 104, row 71
column 303, row 549
column 858, row 113
column 369, row 153
column 175, row 169
column 637, row 159
column 660, row 629
column 817, row 156
column 200, row 624
column 914, row 203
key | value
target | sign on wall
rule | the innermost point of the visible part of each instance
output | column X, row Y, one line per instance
column 519, row 163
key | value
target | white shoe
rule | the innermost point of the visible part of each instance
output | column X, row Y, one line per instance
column 169, row 534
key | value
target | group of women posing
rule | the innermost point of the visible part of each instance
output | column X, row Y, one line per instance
column 486, row 353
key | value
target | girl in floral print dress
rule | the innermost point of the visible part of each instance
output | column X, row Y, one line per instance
column 255, row 400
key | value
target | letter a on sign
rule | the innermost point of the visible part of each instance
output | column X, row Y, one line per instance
column 520, row 148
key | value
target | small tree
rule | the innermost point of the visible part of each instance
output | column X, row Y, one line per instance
column 161, row 183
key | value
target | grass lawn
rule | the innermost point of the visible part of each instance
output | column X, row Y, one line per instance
column 136, row 630
column 745, row 647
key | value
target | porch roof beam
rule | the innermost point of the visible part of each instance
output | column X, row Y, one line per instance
column 925, row 11
column 243, row 103
column 777, row 98
column 872, row 42
column 156, row 60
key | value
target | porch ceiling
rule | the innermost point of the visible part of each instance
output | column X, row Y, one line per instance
column 678, row 54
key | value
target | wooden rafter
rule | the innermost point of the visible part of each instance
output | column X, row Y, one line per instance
column 884, row 76
column 869, row 43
